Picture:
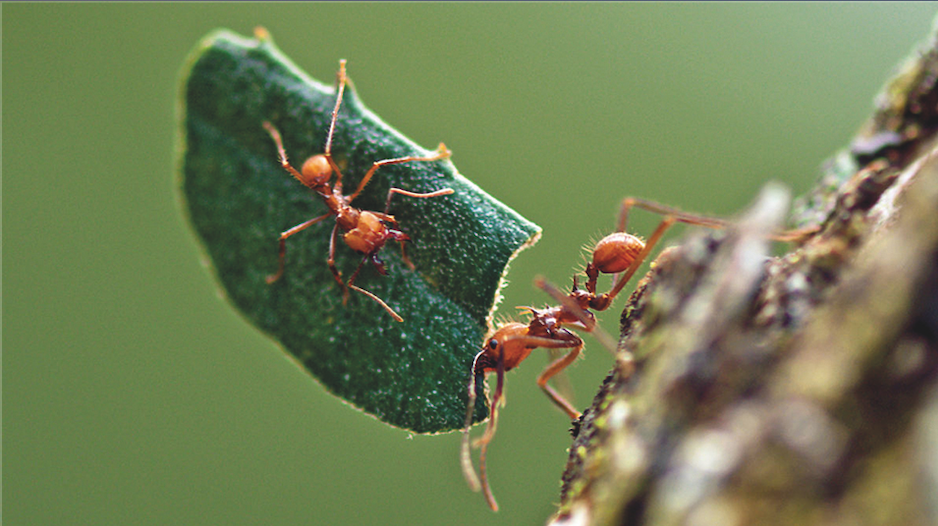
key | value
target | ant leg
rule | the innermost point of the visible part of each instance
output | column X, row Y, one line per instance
column 441, row 153
column 331, row 262
column 387, row 217
column 341, row 79
column 465, row 456
column 678, row 215
column 392, row 191
column 281, row 153
column 386, row 307
column 794, row 235
column 556, row 367
column 565, row 340
column 398, row 236
column 407, row 261
column 670, row 214
column 490, row 432
column 357, row 270
column 283, row 245
column 381, row 302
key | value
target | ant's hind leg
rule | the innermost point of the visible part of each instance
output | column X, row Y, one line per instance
column 796, row 235
column 336, row 273
column 666, row 211
column 378, row 300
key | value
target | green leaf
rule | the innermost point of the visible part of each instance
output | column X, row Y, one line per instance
column 238, row 199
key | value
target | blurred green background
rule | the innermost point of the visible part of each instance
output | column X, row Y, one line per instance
column 135, row 396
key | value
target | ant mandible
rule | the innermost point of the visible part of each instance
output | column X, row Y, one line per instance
column 365, row 231
column 620, row 254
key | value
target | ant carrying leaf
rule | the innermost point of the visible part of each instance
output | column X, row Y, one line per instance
column 620, row 254
column 364, row 231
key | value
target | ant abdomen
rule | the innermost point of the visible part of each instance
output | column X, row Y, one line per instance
column 616, row 252
column 368, row 235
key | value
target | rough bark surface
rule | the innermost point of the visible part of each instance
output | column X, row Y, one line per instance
column 799, row 389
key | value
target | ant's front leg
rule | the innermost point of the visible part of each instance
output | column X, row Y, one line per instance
column 465, row 456
column 490, row 432
column 281, row 152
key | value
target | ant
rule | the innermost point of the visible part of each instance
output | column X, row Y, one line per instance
column 365, row 231
column 620, row 254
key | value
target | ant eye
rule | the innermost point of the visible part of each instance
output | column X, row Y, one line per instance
column 493, row 344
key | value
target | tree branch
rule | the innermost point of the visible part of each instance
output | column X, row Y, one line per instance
column 797, row 389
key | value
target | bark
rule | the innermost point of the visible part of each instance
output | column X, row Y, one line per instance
column 798, row 389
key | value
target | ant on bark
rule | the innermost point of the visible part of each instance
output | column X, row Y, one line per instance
column 620, row 254
column 365, row 231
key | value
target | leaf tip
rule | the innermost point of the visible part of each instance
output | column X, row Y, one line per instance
column 262, row 35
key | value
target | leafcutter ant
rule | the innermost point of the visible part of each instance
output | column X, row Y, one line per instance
column 620, row 254
column 364, row 231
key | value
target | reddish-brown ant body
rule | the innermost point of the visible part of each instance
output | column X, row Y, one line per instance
column 620, row 254
column 365, row 231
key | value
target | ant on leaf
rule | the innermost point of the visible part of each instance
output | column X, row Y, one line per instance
column 620, row 254
column 364, row 231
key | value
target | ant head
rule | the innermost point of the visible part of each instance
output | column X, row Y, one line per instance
column 506, row 344
column 316, row 171
column 487, row 359
column 615, row 252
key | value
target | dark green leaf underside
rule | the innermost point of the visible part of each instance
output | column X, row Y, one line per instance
column 411, row 375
